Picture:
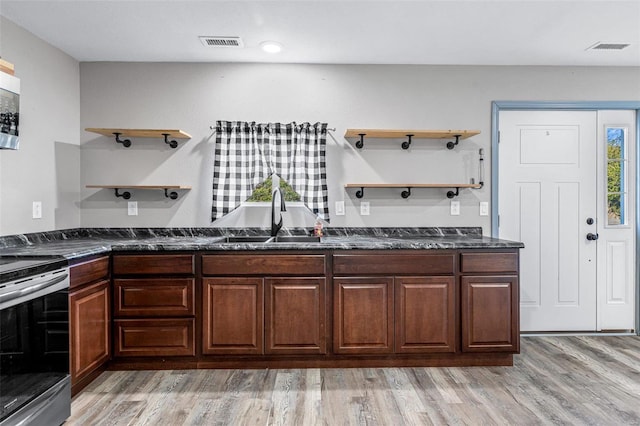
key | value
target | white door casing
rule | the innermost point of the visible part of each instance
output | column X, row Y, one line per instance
column 616, row 243
column 547, row 183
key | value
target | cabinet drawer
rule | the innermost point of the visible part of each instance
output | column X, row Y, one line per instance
column 489, row 262
column 153, row 264
column 159, row 297
column 86, row 272
column 395, row 264
column 257, row 264
column 156, row 337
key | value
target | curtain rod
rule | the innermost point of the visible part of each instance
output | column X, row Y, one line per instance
column 330, row 129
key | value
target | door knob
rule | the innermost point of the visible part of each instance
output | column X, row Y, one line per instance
column 592, row 237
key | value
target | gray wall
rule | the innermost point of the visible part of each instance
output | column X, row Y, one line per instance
column 46, row 168
column 193, row 96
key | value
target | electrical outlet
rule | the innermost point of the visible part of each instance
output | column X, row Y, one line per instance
column 455, row 208
column 132, row 208
column 484, row 208
column 36, row 211
column 364, row 208
column 339, row 208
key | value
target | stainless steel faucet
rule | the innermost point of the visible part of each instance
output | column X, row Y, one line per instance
column 275, row 227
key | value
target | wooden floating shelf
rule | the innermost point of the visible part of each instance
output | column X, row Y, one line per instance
column 424, row 134
column 142, row 133
column 139, row 186
column 408, row 186
column 7, row 67
column 410, row 134
column 126, row 194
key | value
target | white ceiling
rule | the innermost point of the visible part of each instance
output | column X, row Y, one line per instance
column 473, row 32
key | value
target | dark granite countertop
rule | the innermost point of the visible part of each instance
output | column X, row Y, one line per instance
column 83, row 242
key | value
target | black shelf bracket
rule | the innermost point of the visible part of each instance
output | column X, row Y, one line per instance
column 406, row 193
column 172, row 143
column 173, row 194
column 360, row 193
column 360, row 143
column 406, row 144
column 125, row 142
column 451, row 194
column 451, row 144
column 126, row 194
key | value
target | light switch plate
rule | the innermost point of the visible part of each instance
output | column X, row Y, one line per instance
column 36, row 211
column 455, row 208
column 339, row 208
column 484, row 208
column 364, row 208
column 132, row 208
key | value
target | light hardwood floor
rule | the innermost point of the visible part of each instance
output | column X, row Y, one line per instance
column 555, row 380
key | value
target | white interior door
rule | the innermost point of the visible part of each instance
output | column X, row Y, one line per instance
column 547, row 194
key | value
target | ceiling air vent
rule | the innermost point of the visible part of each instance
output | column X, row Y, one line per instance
column 608, row 46
column 220, row 41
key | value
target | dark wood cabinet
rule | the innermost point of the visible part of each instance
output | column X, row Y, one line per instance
column 490, row 311
column 425, row 314
column 90, row 321
column 363, row 315
column 257, row 304
column 293, row 309
column 154, row 305
column 409, row 308
column 295, row 312
column 233, row 316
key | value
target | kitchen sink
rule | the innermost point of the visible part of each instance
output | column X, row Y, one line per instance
column 297, row 239
column 247, row 239
column 268, row 239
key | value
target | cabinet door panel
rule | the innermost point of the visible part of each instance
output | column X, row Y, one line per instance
column 490, row 314
column 86, row 272
column 90, row 330
column 154, row 337
column 157, row 297
column 425, row 314
column 233, row 316
column 363, row 315
column 170, row 264
column 295, row 316
column 393, row 264
column 263, row 264
column 489, row 262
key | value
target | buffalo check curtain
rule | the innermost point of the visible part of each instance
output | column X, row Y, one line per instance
column 247, row 153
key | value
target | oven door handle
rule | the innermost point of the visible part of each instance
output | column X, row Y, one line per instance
column 31, row 289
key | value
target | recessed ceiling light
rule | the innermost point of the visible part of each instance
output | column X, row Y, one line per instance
column 271, row 46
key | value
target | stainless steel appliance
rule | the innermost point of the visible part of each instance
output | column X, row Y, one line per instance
column 35, row 386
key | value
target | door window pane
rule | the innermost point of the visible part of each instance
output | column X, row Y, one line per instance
column 616, row 175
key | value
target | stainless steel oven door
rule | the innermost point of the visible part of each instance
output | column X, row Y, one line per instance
column 34, row 350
